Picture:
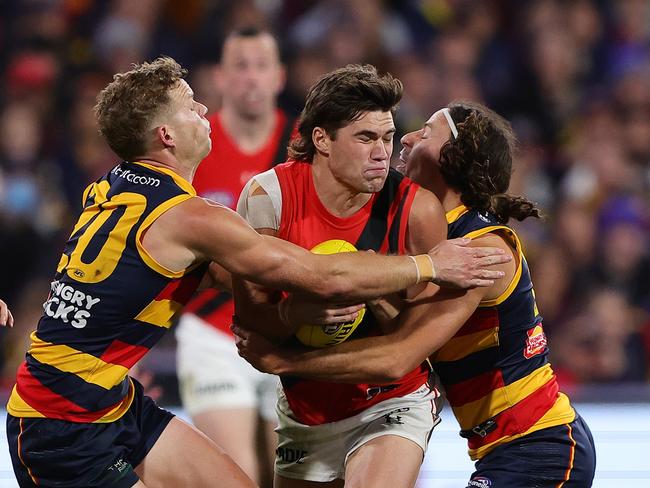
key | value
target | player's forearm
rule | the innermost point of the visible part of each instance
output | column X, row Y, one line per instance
column 344, row 277
column 363, row 276
column 370, row 360
column 427, row 324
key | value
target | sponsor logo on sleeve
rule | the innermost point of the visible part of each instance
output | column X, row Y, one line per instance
column 480, row 482
column 535, row 342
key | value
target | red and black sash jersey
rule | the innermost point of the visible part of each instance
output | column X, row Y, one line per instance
column 379, row 225
column 221, row 176
column 495, row 370
column 109, row 303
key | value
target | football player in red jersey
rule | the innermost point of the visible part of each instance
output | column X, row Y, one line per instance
column 339, row 186
column 142, row 245
column 487, row 344
column 226, row 398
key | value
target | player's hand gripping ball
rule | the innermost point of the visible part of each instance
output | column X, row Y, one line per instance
column 329, row 335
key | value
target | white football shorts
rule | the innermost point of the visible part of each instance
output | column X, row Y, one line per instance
column 319, row 452
column 212, row 375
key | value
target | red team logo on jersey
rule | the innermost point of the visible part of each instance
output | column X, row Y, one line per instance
column 535, row 342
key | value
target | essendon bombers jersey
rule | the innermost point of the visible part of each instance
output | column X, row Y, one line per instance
column 379, row 225
column 220, row 177
column 109, row 303
column 495, row 369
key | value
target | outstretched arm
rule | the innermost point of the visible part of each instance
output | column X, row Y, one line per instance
column 425, row 326
column 196, row 230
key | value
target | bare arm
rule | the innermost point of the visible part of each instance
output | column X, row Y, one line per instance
column 425, row 326
column 196, row 230
column 6, row 318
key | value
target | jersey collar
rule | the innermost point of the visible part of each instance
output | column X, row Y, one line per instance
column 178, row 179
column 453, row 215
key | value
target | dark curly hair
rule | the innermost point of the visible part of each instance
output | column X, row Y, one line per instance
column 339, row 98
column 478, row 163
column 128, row 105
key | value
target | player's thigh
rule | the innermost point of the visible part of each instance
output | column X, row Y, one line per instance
column 283, row 482
column 387, row 461
column 183, row 456
column 319, row 453
column 234, row 430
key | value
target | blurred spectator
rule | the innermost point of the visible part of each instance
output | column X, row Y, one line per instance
column 603, row 343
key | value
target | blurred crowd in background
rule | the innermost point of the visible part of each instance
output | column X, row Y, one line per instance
column 573, row 77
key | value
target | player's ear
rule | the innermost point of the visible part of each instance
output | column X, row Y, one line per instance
column 164, row 136
column 321, row 140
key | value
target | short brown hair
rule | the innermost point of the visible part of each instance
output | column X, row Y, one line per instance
column 128, row 105
column 339, row 98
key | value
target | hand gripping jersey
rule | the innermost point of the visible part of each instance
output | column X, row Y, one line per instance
column 109, row 303
column 495, row 370
column 379, row 225
column 221, row 177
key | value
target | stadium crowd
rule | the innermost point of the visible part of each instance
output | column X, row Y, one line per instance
column 573, row 77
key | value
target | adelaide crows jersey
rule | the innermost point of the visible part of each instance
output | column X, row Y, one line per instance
column 495, row 369
column 109, row 303
column 379, row 225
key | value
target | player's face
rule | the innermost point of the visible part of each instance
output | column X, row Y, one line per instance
column 188, row 125
column 359, row 155
column 419, row 158
column 250, row 75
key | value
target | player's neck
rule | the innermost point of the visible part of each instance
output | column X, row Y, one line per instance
column 160, row 160
column 339, row 199
column 449, row 199
column 250, row 134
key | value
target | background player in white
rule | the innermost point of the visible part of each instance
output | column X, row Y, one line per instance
column 226, row 398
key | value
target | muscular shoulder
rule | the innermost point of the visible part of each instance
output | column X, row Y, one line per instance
column 260, row 202
column 173, row 238
column 495, row 239
column 427, row 225
column 188, row 218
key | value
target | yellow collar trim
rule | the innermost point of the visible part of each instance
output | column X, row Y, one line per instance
column 178, row 179
column 455, row 214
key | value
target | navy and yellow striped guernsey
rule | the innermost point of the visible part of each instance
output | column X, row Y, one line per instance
column 495, row 369
column 109, row 303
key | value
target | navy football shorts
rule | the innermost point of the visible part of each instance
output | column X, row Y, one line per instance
column 51, row 452
column 545, row 458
